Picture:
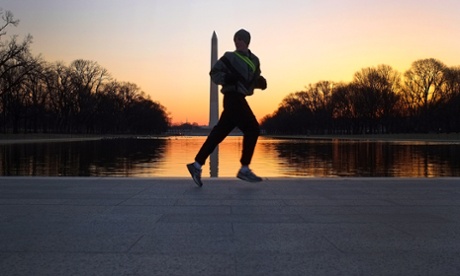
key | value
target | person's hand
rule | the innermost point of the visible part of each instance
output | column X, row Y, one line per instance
column 261, row 83
column 230, row 78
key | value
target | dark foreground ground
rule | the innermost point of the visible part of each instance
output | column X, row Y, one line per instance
column 336, row 226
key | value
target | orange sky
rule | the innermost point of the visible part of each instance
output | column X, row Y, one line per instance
column 164, row 46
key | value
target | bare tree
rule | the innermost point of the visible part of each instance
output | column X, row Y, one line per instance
column 62, row 103
column 377, row 96
column 115, row 104
column 87, row 79
column 15, row 63
column 14, row 74
column 80, row 97
column 8, row 19
column 317, row 100
column 36, row 99
column 344, row 111
column 423, row 82
column 423, row 92
column 12, row 50
column 449, row 105
column 451, row 85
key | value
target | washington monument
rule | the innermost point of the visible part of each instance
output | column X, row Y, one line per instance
column 214, row 95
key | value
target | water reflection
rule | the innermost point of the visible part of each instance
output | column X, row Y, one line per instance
column 214, row 163
column 110, row 157
column 166, row 157
column 368, row 158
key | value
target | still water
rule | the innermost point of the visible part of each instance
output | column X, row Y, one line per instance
column 167, row 157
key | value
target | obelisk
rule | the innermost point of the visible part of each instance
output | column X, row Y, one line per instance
column 214, row 95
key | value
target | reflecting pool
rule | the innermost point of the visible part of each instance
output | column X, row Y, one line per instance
column 167, row 157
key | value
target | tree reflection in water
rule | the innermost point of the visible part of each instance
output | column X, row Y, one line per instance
column 166, row 157
column 107, row 157
column 368, row 158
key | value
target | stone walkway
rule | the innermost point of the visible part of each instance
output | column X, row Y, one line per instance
column 329, row 226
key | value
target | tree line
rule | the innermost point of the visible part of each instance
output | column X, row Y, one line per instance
column 37, row 96
column 426, row 98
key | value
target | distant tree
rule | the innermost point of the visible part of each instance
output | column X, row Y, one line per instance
column 63, row 97
column 123, row 108
column 423, row 90
column 344, row 111
column 109, row 112
column 12, row 53
column 377, row 100
column 449, row 106
column 81, row 97
column 36, row 99
column 8, row 19
column 376, row 96
column 148, row 117
column 303, row 112
column 295, row 106
column 87, row 78
column 15, row 63
column 318, row 101
column 451, row 84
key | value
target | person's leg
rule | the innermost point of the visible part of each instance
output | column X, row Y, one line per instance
column 248, row 124
column 217, row 135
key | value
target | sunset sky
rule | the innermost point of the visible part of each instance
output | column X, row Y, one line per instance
column 163, row 46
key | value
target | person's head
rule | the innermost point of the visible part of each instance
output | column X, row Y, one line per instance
column 242, row 39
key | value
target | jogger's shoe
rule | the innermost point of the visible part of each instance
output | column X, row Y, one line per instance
column 248, row 176
column 195, row 173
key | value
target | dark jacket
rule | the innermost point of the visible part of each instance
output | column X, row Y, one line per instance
column 236, row 75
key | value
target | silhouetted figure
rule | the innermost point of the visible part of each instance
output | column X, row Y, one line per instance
column 239, row 74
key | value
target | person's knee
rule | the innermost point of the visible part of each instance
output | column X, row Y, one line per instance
column 253, row 131
column 250, row 127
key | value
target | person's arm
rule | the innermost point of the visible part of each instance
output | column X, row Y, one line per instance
column 259, row 82
column 218, row 73
column 221, row 75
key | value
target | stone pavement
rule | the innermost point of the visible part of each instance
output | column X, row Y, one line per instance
column 168, row 226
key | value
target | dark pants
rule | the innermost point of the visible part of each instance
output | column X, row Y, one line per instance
column 236, row 113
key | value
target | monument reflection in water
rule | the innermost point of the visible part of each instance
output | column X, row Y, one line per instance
column 166, row 157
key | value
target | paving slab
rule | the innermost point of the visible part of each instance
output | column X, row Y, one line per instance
column 281, row 226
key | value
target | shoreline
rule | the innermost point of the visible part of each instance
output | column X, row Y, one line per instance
column 49, row 138
column 416, row 137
